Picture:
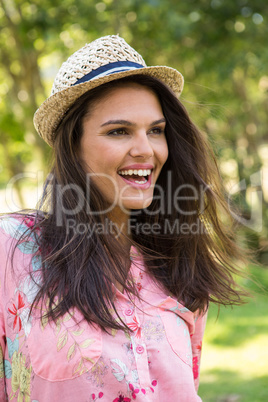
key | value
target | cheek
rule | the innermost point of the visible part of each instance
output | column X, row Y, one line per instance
column 96, row 157
column 163, row 153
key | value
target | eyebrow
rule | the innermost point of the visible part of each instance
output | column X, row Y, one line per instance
column 129, row 123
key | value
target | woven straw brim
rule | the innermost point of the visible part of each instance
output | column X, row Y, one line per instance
column 50, row 113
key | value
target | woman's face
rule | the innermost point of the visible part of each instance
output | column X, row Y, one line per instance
column 123, row 145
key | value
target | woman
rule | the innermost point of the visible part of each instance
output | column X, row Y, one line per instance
column 105, row 287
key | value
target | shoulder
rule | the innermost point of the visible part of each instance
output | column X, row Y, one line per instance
column 18, row 226
column 18, row 241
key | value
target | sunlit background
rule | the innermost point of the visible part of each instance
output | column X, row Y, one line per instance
column 220, row 46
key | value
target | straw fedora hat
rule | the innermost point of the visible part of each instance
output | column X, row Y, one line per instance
column 103, row 60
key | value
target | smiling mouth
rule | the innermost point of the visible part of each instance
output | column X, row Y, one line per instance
column 138, row 176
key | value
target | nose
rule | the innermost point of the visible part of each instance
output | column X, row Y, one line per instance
column 141, row 147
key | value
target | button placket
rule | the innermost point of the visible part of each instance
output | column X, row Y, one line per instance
column 141, row 358
column 140, row 351
column 131, row 314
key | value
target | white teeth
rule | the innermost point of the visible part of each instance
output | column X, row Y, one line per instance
column 140, row 181
column 139, row 172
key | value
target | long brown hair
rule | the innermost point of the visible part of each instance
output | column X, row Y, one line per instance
column 195, row 266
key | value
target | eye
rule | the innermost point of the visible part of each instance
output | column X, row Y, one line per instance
column 157, row 130
column 117, row 132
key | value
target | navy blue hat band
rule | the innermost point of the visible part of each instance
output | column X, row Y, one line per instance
column 111, row 68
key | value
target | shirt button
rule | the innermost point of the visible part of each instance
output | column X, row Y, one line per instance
column 128, row 311
column 139, row 349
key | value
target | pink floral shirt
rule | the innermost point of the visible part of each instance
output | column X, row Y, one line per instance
column 71, row 360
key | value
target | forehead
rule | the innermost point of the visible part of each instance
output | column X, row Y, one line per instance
column 127, row 99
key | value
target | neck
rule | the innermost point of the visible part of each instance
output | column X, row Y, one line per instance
column 120, row 220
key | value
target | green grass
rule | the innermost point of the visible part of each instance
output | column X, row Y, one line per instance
column 234, row 366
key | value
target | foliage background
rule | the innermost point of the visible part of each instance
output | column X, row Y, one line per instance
column 220, row 46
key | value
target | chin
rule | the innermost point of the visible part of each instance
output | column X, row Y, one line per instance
column 141, row 204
